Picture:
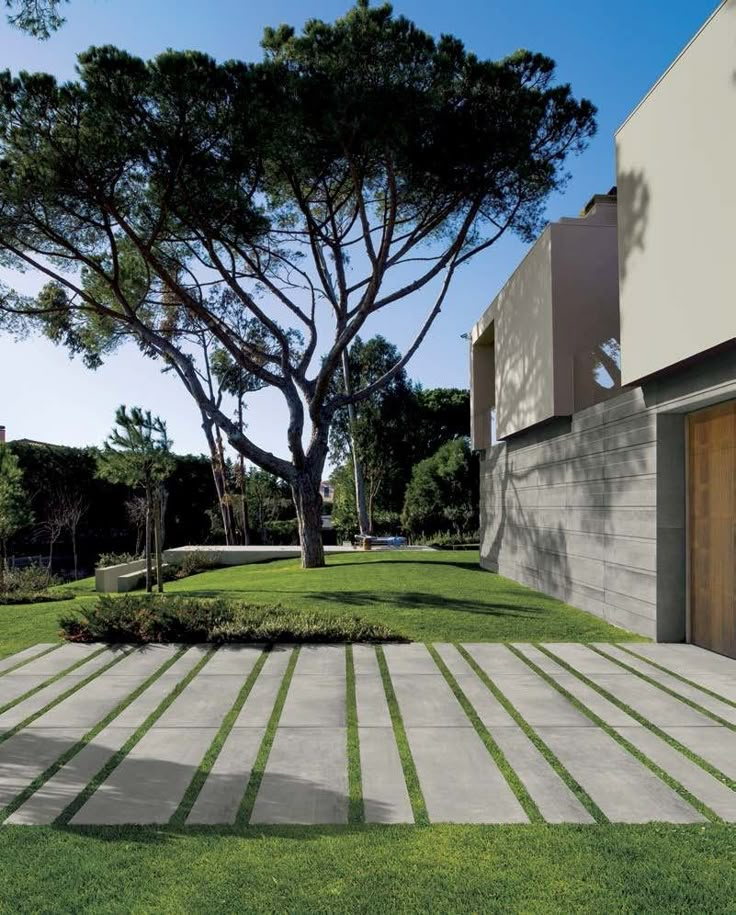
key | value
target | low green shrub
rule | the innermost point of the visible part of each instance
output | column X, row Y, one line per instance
column 33, row 579
column 17, row 598
column 115, row 559
column 171, row 618
column 194, row 563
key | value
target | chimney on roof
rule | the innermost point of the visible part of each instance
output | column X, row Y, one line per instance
column 2, row 434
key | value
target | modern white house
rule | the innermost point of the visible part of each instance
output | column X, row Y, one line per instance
column 603, row 376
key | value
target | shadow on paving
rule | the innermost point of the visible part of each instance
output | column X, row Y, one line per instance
column 148, row 788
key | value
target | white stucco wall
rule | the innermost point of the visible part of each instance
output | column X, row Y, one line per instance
column 676, row 155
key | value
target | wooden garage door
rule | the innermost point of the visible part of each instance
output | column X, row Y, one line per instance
column 712, row 444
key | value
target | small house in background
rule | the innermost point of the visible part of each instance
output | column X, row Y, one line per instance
column 603, row 376
column 327, row 491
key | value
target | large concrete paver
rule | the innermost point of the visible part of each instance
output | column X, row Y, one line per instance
column 701, row 784
column 204, row 702
column 234, row 660
column 460, row 781
column 723, row 709
column 148, row 785
column 222, row 792
column 385, row 796
column 321, row 661
column 29, row 753
column 428, row 702
column 716, row 745
column 605, row 709
column 39, row 700
column 99, row 697
column 57, row 661
column 24, row 656
column 51, row 799
column 315, row 701
column 409, row 660
column 306, row 778
column 555, row 801
column 705, row 668
column 624, row 789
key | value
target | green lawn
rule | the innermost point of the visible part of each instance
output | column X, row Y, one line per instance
column 432, row 596
column 596, row 870
column 504, row 869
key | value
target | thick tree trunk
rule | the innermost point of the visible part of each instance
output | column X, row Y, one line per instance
column 243, row 502
column 218, row 475
column 364, row 521
column 158, row 541
column 309, row 518
column 148, row 541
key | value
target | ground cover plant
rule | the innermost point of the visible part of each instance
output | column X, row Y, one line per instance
column 139, row 618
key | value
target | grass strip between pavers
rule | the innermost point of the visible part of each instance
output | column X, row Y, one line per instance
column 416, row 797
column 210, row 757
column 356, row 809
column 577, row 789
column 52, row 679
column 35, row 657
column 259, row 766
column 81, row 799
column 514, row 782
column 622, row 741
column 65, row 695
column 672, row 673
column 90, row 735
column 666, row 689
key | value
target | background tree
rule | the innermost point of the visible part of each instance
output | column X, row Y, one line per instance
column 37, row 17
column 443, row 492
column 52, row 527
column 356, row 168
column 15, row 509
column 74, row 507
column 138, row 453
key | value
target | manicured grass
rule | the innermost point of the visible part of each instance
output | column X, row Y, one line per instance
column 432, row 596
column 672, row 870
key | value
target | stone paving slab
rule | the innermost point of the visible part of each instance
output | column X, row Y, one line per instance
column 147, row 703
column 52, row 798
column 56, row 661
column 235, row 660
column 315, row 701
column 22, row 657
column 98, row 698
column 624, row 789
column 29, row 753
column 716, row 706
column 409, row 660
column 306, row 778
column 370, row 700
column 222, row 792
column 716, row 745
column 365, row 661
column 556, row 802
column 149, row 784
column 385, row 797
column 460, row 781
column 204, row 702
column 701, row 784
column 605, row 709
column 429, row 703
column 321, row 661
column 39, row 700
column 705, row 668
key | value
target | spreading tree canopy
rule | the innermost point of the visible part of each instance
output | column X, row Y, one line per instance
column 355, row 169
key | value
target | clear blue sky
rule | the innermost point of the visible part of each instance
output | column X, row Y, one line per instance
column 609, row 52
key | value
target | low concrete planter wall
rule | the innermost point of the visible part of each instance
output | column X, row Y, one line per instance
column 108, row 581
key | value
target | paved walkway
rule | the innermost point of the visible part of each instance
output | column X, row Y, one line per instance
column 477, row 733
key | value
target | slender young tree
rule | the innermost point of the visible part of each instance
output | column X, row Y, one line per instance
column 15, row 506
column 355, row 169
column 138, row 453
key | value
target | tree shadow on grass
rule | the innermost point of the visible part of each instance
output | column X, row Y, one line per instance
column 421, row 600
column 465, row 566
